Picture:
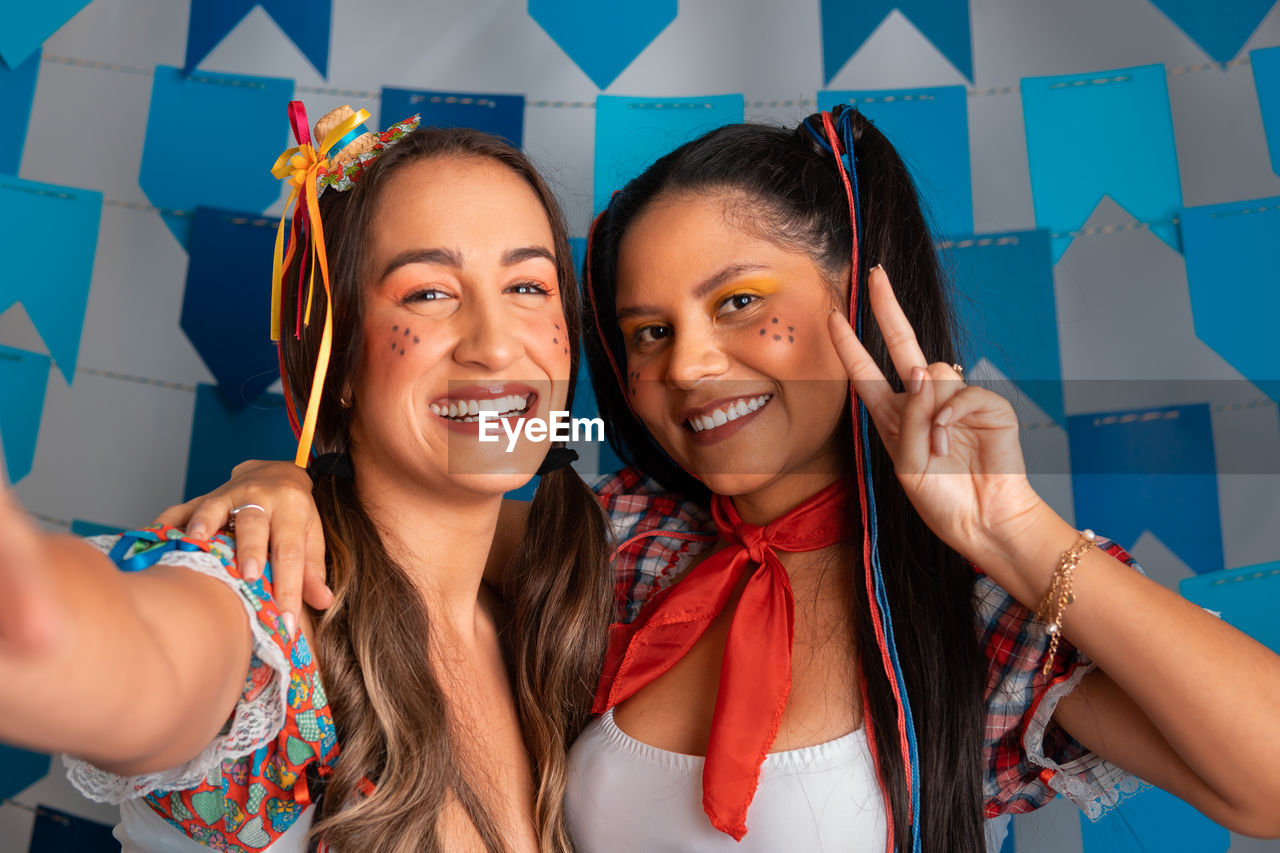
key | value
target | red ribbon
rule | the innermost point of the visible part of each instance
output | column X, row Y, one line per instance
column 755, row 677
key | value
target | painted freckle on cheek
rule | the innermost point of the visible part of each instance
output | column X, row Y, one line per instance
column 777, row 337
column 415, row 339
column 775, row 319
column 762, row 331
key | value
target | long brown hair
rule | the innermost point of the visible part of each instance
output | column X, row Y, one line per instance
column 392, row 718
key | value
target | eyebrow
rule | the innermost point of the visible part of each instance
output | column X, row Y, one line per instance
column 708, row 285
column 453, row 257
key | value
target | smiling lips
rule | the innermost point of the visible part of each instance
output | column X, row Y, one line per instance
column 465, row 411
column 725, row 418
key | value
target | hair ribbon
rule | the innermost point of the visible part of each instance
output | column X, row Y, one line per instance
column 302, row 165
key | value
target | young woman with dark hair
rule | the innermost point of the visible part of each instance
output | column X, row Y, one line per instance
column 797, row 597
column 435, row 711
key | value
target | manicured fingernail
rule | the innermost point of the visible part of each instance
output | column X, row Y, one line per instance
column 250, row 567
column 944, row 417
column 917, row 380
column 197, row 531
column 290, row 623
column 940, row 441
column 876, row 267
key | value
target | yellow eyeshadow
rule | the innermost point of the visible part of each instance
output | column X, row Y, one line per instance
column 753, row 286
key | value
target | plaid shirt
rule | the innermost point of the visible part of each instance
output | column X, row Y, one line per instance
column 1028, row 758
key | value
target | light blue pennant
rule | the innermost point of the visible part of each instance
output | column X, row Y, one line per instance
column 501, row 115
column 603, row 38
column 1220, row 27
column 48, row 238
column 930, row 130
column 179, row 172
column 23, row 379
column 17, row 89
column 631, row 133
column 222, row 437
column 846, row 24
column 1005, row 299
column 304, row 22
column 1149, row 470
column 27, row 24
column 1266, row 80
column 1152, row 819
column 1231, row 263
column 1247, row 598
column 1107, row 133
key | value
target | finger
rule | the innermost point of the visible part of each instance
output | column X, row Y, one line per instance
column 314, row 589
column 862, row 369
column 212, row 513
column 178, row 516
column 914, row 447
column 979, row 407
column 946, row 383
column 287, row 556
column 895, row 328
column 253, row 531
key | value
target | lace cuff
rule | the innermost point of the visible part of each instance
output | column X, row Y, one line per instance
column 257, row 720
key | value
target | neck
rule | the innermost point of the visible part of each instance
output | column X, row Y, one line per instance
column 780, row 496
column 439, row 536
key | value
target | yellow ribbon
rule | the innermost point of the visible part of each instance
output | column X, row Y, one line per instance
column 301, row 165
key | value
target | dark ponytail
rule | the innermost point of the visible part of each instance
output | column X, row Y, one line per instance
column 783, row 186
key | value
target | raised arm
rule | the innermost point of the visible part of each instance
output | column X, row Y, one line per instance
column 1186, row 701
column 120, row 669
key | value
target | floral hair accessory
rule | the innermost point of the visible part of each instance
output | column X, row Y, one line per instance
column 346, row 148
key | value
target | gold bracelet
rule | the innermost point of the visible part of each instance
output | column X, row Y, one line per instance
column 1059, row 595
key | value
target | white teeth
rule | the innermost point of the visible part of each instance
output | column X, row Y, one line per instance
column 731, row 412
column 466, row 411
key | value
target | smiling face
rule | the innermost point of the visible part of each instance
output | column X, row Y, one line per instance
column 462, row 313
column 729, row 362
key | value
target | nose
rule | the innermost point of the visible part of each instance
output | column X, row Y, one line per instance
column 694, row 356
column 487, row 339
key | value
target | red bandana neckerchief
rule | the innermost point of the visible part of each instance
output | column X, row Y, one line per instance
column 755, row 677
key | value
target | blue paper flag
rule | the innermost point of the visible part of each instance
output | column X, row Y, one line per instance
column 177, row 172
column 23, row 378
column 846, row 24
column 1230, row 252
column 92, row 528
column 1152, row 820
column 631, row 133
column 1109, row 133
column 501, row 115
column 222, row 438
column 603, row 38
column 1247, row 598
column 61, row 832
column 17, row 89
column 20, row 769
column 48, row 237
column 930, row 129
column 1006, row 305
column 1220, row 28
column 27, row 25
column 1149, row 470
column 305, row 22
column 1266, row 79
column 226, row 307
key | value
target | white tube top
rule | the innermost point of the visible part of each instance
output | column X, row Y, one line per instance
column 624, row 795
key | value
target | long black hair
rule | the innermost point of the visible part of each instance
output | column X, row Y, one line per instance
column 795, row 198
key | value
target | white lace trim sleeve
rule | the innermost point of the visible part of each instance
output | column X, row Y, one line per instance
column 253, row 724
column 1092, row 783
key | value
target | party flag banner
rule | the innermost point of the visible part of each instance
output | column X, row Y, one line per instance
column 226, row 306
column 631, row 133
column 48, row 238
column 1149, row 470
column 27, row 25
column 57, row 831
column 1152, row 819
column 930, row 130
column 223, row 437
column 846, row 24
column 17, row 90
column 20, row 769
column 603, row 38
column 1005, row 299
column 1108, row 133
column 501, row 115
column 1266, row 79
column 23, row 378
column 1246, row 598
column 1231, row 276
column 92, row 528
column 1220, row 28
column 304, row 22
column 179, row 171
